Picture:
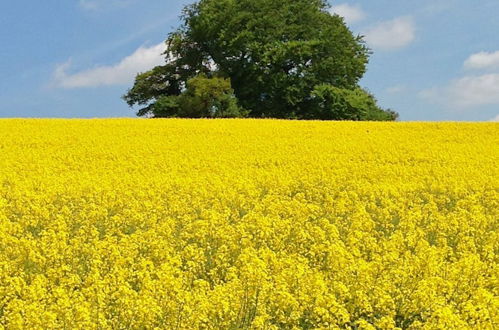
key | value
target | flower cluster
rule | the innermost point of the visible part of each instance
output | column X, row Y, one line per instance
column 261, row 224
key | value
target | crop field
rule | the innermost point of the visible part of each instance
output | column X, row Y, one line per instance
column 260, row 224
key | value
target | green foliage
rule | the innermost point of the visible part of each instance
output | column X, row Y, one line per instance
column 274, row 53
column 154, row 84
column 209, row 98
column 203, row 98
column 333, row 103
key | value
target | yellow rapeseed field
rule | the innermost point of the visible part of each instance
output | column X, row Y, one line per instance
column 261, row 224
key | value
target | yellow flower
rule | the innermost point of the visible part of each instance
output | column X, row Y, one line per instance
column 255, row 224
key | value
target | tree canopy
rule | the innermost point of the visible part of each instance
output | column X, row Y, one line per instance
column 264, row 58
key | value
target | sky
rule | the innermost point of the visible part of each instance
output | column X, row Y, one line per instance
column 432, row 60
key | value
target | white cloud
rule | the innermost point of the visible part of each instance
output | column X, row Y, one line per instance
column 483, row 60
column 495, row 119
column 143, row 59
column 391, row 35
column 470, row 91
column 467, row 92
column 351, row 14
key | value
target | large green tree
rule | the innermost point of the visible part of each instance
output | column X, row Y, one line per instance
column 281, row 58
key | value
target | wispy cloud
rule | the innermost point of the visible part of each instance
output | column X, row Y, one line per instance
column 391, row 35
column 100, row 4
column 483, row 60
column 437, row 7
column 470, row 91
column 397, row 89
column 466, row 92
column 122, row 73
column 495, row 119
column 351, row 13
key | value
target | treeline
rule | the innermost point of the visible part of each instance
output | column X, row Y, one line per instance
column 259, row 58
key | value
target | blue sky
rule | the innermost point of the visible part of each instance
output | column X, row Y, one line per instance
column 432, row 59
